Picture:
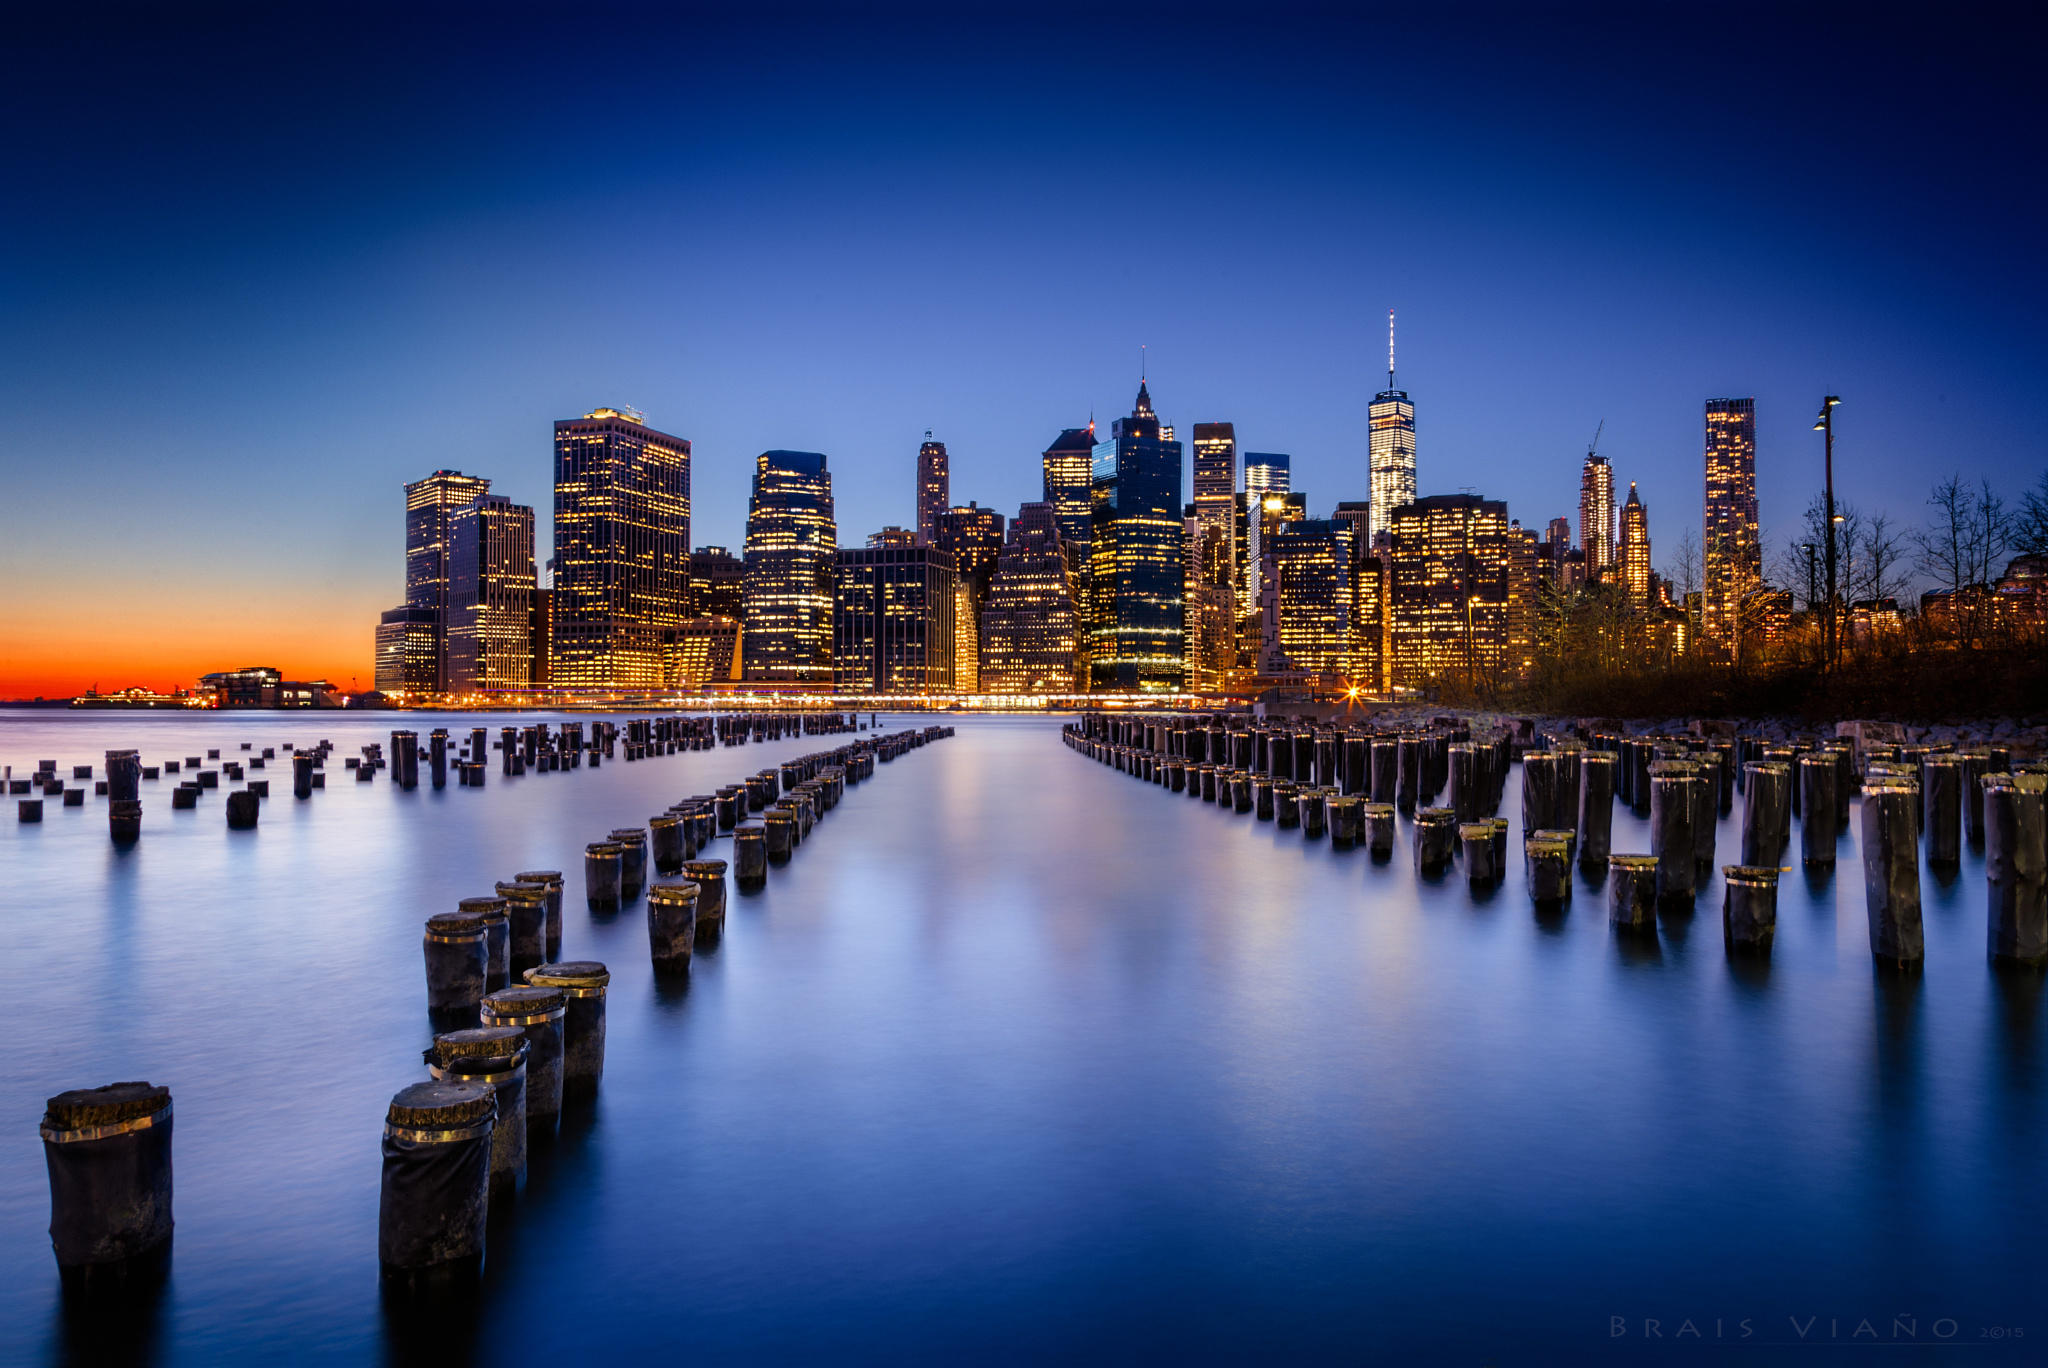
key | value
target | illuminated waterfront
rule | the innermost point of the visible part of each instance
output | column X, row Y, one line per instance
column 1022, row 1059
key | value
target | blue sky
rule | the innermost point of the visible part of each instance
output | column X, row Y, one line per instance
column 261, row 269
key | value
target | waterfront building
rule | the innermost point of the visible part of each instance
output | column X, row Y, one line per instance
column 1596, row 515
column 893, row 620
column 264, row 686
column 897, row 536
column 1210, row 599
column 540, row 636
column 1312, row 576
column 705, row 651
column 790, row 576
column 934, row 487
column 1634, row 554
column 1391, row 422
column 1368, row 597
column 430, row 507
column 1030, row 623
column 1460, row 593
column 966, row 638
column 622, row 549
column 1731, row 550
column 1135, row 635
column 1265, row 473
column 406, row 650
column 972, row 537
column 1215, row 504
column 490, row 596
column 717, row 583
column 1068, row 464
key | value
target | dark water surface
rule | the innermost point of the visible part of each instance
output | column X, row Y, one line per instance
column 1021, row 1059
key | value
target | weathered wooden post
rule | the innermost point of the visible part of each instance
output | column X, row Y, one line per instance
column 1749, row 909
column 1891, row 874
column 437, row 1182
column 1632, row 893
column 108, row 1152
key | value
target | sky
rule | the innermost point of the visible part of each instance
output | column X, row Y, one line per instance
column 259, row 267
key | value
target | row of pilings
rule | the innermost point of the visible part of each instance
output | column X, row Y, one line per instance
column 519, row 1031
column 1353, row 782
column 538, row 747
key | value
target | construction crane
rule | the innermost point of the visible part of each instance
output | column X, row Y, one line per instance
column 1593, row 448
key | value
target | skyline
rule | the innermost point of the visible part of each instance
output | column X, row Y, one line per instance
column 326, row 304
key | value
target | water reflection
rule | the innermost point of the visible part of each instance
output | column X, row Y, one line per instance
column 1055, row 1038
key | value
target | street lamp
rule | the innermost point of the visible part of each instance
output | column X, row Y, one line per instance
column 1826, row 424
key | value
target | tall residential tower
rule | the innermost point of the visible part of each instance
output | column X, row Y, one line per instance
column 1596, row 515
column 790, row 576
column 1731, row 550
column 622, row 550
column 934, row 487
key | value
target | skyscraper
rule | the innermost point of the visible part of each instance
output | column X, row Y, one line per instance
column 934, row 487
column 1030, row 623
column 973, row 537
column 1730, row 548
column 1135, row 633
column 1068, row 463
column 1596, row 515
column 490, row 595
column 893, row 621
column 1461, row 574
column 430, row 506
column 1635, row 549
column 405, row 650
column 717, row 583
column 1392, row 421
column 1265, row 472
column 791, row 541
column 1312, row 576
column 622, row 549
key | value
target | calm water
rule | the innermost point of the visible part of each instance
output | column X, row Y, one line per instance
column 1021, row 1059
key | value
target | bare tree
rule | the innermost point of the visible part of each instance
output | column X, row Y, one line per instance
column 1881, row 559
column 1945, row 556
column 1683, row 569
column 1965, row 536
column 1993, row 534
column 2030, row 521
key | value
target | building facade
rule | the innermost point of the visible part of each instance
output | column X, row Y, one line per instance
column 1731, row 550
column 1136, row 636
column 934, row 487
column 1312, row 581
column 717, row 583
column 1030, row 624
column 1596, row 515
column 1633, row 555
column 1068, row 465
column 622, row 550
column 790, row 575
column 892, row 621
column 1460, row 586
column 1391, row 435
column 706, row 651
column 1265, row 472
column 491, row 589
column 430, row 507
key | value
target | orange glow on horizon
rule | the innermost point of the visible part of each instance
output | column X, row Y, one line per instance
column 54, row 646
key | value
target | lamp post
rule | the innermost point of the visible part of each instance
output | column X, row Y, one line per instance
column 1825, row 424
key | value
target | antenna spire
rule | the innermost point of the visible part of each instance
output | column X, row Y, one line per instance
column 1390, row 349
column 1141, row 363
